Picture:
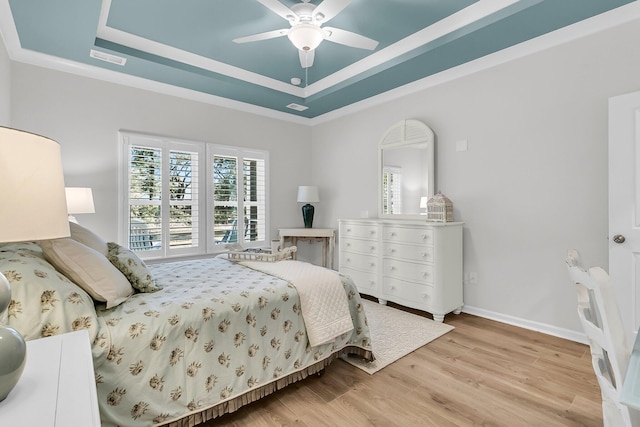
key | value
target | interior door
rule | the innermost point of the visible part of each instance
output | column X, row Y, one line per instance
column 624, row 207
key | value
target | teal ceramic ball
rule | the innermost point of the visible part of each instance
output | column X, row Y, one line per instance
column 13, row 352
column 5, row 293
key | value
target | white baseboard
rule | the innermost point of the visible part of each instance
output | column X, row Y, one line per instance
column 527, row 324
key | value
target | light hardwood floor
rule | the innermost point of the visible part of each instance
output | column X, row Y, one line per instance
column 481, row 373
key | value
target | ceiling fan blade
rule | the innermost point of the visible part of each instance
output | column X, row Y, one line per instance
column 348, row 38
column 262, row 36
column 279, row 9
column 329, row 9
column 306, row 57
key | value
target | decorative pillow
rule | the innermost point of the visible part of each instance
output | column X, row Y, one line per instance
column 43, row 301
column 132, row 267
column 88, row 238
column 89, row 269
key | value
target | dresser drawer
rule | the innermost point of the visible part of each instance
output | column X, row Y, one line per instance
column 410, row 262
column 367, row 283
column 360, row 231
column 423, row 253
column 360, row 262
column 412, row 272
column 362, row 246
column 414, row 295
column 408, row 235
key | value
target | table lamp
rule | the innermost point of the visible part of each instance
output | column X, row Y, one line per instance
column 308, row 194
column 423, row 204
column 79, row 201
column 33, row 208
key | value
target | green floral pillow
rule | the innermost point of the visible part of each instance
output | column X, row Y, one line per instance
column 133, row 268
column 43, row 301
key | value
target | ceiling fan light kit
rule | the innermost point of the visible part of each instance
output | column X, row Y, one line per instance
column 306, row 37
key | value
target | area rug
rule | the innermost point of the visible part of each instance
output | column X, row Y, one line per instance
column 394, row 334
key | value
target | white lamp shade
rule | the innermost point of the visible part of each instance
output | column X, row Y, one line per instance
column 79, row 200
column 306, row 37
column 32, row 187
column 308, row 194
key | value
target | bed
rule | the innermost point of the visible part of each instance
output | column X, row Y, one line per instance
column 198, row 339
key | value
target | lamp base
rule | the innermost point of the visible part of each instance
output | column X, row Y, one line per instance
column 307, row 215
column 13, row 349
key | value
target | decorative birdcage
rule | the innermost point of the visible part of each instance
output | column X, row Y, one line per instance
column 439, row 208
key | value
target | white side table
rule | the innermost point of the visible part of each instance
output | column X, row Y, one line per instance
column 57, row 387
column 326, row 235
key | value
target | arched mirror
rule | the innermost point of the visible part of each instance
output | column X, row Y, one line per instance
column 406, row 170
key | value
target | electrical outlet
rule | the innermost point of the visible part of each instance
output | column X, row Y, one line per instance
column 473, row 278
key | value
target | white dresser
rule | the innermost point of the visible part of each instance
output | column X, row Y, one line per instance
column 410, row 262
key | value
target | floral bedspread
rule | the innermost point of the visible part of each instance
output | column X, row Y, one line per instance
column 217, row 330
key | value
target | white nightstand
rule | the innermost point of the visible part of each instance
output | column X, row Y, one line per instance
column 57, row 387
column 326, row 235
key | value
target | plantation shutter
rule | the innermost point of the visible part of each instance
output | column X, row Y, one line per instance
column 183, row 190
column 163, row 196
column 255, row 199
column 392, row 189
column 239, row 195
column 145, row 198
column 225, row 198
column 182, row 198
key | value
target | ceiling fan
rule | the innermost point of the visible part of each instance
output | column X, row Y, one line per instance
column 306, row 32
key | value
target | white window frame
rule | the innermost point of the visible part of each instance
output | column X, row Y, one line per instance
column 205, row 230
column 241, row 154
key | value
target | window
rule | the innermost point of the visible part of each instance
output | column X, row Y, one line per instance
column 188, row 197
column 392, row 190
column 238, row 186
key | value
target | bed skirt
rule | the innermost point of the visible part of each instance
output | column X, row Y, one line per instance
column 254, row 395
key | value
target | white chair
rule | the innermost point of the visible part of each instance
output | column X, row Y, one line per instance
column 600, row 317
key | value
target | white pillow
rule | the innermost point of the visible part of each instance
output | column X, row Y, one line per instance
column 88, row 238
column 88, row 269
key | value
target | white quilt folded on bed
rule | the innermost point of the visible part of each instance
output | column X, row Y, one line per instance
column 324, row 304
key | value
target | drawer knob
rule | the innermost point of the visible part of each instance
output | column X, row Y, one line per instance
column 392, row 250
column 423, row 254
column 425, row 237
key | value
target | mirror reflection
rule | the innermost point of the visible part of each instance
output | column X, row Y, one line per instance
column 406, row 169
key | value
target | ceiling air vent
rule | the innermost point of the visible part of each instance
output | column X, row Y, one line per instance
column 297, row 107
column 118, row 60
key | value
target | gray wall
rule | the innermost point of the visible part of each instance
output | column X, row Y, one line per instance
column 85, row 115
column 5, row 86
column 533, row 182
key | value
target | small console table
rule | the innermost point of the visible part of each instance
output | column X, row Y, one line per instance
column 57, row 387
column 326, row 235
